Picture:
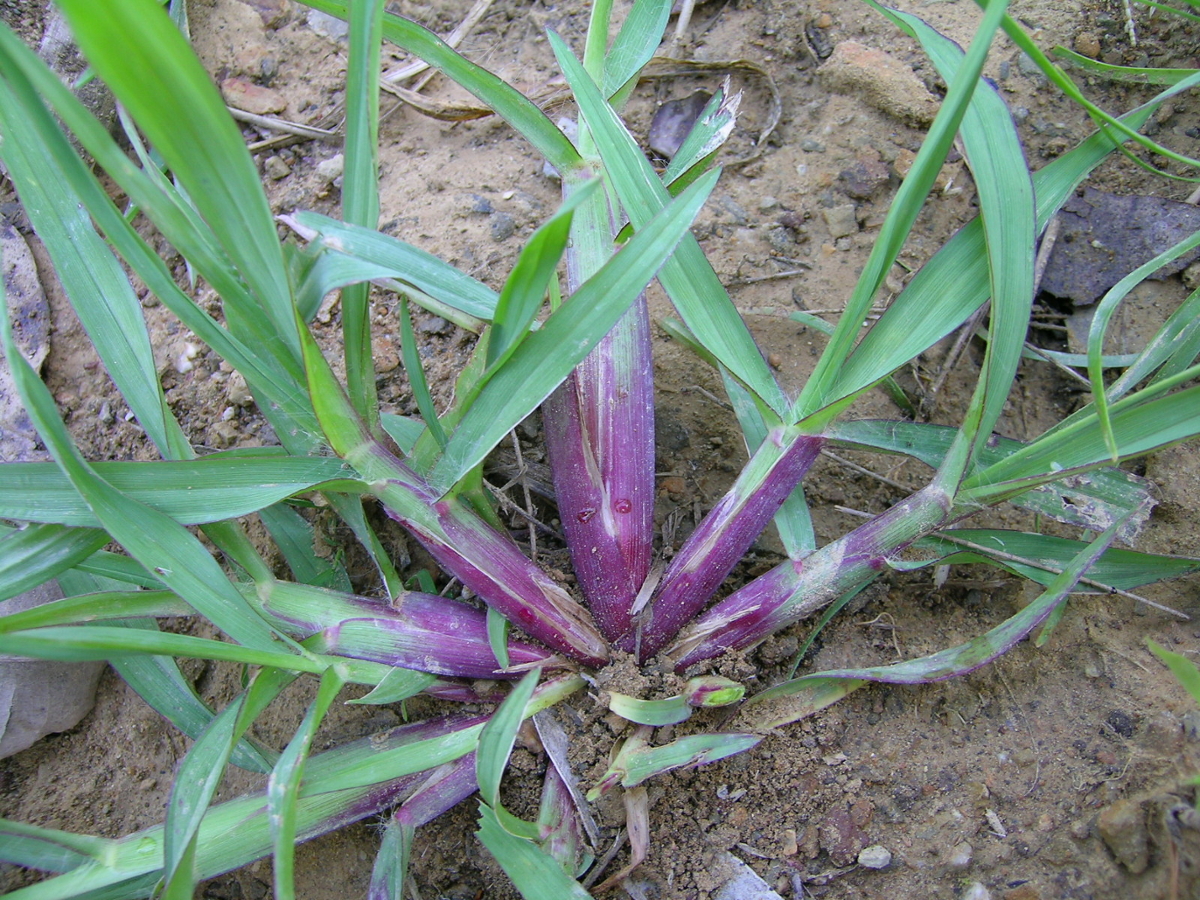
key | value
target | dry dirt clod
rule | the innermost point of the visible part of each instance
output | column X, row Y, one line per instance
column 881, row 80
column 1122, row 827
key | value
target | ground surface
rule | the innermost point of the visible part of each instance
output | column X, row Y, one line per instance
column 1048, row 774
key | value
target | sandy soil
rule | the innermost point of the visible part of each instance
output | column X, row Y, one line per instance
column 1049, row 774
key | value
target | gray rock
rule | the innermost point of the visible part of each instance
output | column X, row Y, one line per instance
column 332, row 168
column 875, row 857
column 276, row 168
column 503, row 226
column 328, row 26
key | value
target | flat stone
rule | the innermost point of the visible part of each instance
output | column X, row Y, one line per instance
column 252, row 98
column 865, row 177
column 842, row 221
column 875, row 857
column 744, row 883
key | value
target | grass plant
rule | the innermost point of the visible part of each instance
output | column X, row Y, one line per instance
column 583, row 357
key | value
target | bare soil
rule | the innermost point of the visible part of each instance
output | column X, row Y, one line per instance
column 1049, row 774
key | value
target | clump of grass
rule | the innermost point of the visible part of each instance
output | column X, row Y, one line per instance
column 583, row 357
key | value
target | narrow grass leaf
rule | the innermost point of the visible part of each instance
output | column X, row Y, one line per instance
column 525, row 288
column 1181, row 667
column 498, row 736
column 360, row 195
column 99, row 291
column 48, row 850
column 84, row 642
column 1135, row 74
column 986, row 647
column 119, row 568
column 350, row 510
column 195, row 785
column 191, row 492
column 410, row 352
column 645, row 762
column 270, row 368
column 668, row 711
column 712, row 129
column 1060, row 80
column 497, row 630
column 1008, row 213
column 343, row 428
column 149, row 66
column 388, row 256
column 391, row 862
column 955, row 282
column 231, row 835
column 1136, row 428
column 548, row 355
column 822, row 387
column 536, row 874
column 404, row 430
column 1099, row 326
column 397, row 686
column 1093, row 502
column 98, row 607
column 635, row 43
column 797, row 699
column 159, row 682
column 1041, row 557
column 154, row 539
column 283, row 787
column 510, row 104
column 30, row 556
column 687, row 276
column 294, row 536
column 1174, row 347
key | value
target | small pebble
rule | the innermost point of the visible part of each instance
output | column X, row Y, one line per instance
column 503, row 226
column 811, row 146
column 237, row 390
column 976, row 891
column 875, row 857
column 960, row 856
column 183, row 363
column 1191, row 724
column 842, row 221
column 332, row 168
column 276, row 168
column 328, row 26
